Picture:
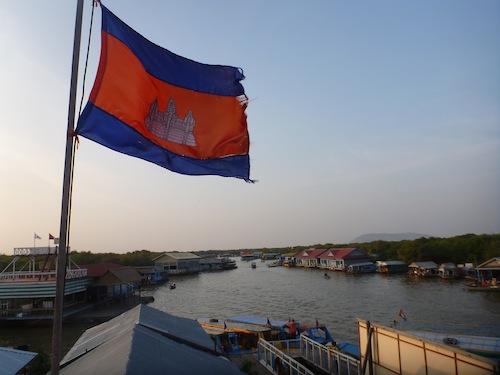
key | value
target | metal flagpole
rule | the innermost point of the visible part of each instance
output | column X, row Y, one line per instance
column 62, row 253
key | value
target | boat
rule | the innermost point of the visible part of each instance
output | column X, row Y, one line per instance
column 28, row 286
column 275, row 263
column 482, row 340
column 254, row 265
column 236, row 338
column 240, row 334
column 483, row 286
column 173, row 286
column 487, row 277
column 287, row 329
column 326, row 276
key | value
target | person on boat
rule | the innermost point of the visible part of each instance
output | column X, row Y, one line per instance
column 292, row 327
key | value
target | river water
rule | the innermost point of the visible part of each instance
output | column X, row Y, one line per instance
column 304, row 295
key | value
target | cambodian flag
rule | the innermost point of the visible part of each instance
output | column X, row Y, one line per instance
column 180, row 114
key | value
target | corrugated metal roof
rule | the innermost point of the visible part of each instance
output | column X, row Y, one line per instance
column 391, row 262
column 12, row 360
column 492, row 264
column 178, row 256
column 145, row 341
column 428, row 264
column 97, row 270
column 310, row 253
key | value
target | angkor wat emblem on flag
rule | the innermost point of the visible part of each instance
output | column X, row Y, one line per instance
column 168, row 126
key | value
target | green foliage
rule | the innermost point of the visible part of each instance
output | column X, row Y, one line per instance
column 460, row 249
column 247, row 367
column 40, row 365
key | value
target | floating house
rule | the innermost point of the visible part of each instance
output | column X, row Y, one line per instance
column 152, row 275
column 339, row 259
column 366, row 267
column 449, row 271
column 178, row 263
column 423, row 269
column 391, row 266
column 217, row 264
column 28, row 286
column 144, row 340
column 112, row 282
column 308, row 258
column 270, row 256
column 487, row 276
column 248, row 256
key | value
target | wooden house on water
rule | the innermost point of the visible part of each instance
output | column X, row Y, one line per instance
column 391, row 266
column 365, row 267
column 450, row 271
column 308, row 258
column 177, row 263
column 112, row 282
column 339, row 259
column 423, row 269
column 487, row 277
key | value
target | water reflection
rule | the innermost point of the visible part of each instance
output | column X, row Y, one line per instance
column 306, row 295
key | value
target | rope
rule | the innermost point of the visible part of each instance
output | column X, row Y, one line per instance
column 95, row 4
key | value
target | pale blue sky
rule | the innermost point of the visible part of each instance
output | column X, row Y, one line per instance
column 365, row 117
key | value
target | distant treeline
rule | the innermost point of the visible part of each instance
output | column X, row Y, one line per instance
column 460, row 249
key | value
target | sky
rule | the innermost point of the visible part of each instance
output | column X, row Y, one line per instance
column 364, row 117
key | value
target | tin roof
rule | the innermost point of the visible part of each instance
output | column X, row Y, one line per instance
column 98, row 270
column 492, row 264
column 14, row 360
column 428, row 264
column 178, row 256
column 309, row 253
column 145, row 341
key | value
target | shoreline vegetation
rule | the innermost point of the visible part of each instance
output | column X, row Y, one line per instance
column 468, row 248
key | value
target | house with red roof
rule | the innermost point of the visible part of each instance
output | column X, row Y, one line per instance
column 339, row 259
column 308, row 258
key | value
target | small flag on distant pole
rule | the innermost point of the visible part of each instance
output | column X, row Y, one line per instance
column 402, row 314
column 51, row 237
column 37, row 237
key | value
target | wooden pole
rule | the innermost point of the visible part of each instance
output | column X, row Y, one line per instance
column 62, row 251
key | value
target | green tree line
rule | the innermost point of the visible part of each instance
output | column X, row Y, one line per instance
column 459, row 249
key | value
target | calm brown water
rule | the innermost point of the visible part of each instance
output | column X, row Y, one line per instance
column 302, row 294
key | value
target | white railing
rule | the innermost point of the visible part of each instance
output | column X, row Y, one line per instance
column 36, row 275
column 278, row 362
column 328, row 359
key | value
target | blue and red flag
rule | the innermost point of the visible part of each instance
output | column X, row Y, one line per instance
column 180, row 114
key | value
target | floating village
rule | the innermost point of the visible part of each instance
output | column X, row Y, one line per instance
column 221, row 346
